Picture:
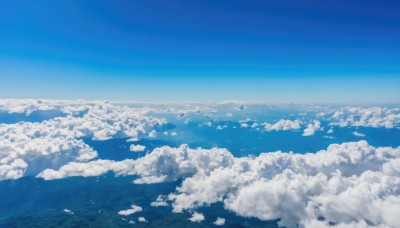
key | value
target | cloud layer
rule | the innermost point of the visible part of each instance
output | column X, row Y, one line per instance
column 163, row 164
column 312, row 128
column 52, row 143
column 346, row 184
column 367, row 117
column 351, row 182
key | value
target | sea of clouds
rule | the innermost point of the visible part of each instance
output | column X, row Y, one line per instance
column 348, row 184
column 56, row 141
column 351, row 184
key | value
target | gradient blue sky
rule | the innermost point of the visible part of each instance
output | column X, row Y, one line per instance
column 274, row 51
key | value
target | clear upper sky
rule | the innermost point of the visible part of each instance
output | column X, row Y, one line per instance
column 275, row 51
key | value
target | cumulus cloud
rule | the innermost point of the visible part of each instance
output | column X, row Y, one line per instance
column 13, row 169
column 27, row 106
column 219, row 222
column 283, row 125
column 312, row 128
column 142, row 219
column 153, row 134
column 163, row 164
column 161, row 201
column 18, row 151
column 346, row 184
column 134, row 209
column 54, row 142
column 367, row 117
column 196, row 217
column 137, row 148
column 89, row 169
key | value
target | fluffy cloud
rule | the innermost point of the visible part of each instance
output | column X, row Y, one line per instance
column 312, row 128
column 137, row 148
column 163, row 164
column 52, row 143
column 142, row 219
column 89, row 169
column 130, row 211
column 27, row 106
column 367, row 117
column 18, row 151
column 219, row 222
column 13, row 169
column 153, row 134
column 161, row 201
column 347, row 184
column 283, row 125
column 196, row 217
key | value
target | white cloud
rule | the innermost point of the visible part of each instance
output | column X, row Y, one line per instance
column 283, row 125
column 53, row 143
column 169, row 164
column 153, row 134
column 367, row 117
column 134, row 209
column 163, row 164
column 137, row 148
column 312, row 127
column 12, row 169
column 142, row 219
column 18, row 151
column 349, row 183
column 27, row 106
column 345, row 184
column 196, row 217
column 89, row 169
column 68, row 211
column 161, row 201
column 219, row 222
column 358, row 134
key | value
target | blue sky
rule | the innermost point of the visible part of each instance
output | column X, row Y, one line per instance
column 274, row 51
